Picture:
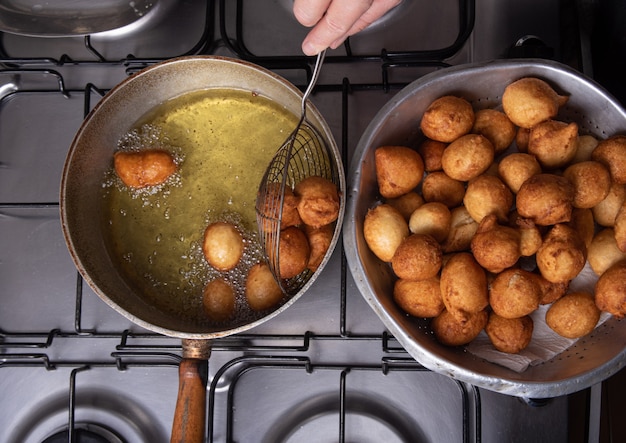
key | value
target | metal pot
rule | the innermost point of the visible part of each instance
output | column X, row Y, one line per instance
column 82, row 211
column 593, row 358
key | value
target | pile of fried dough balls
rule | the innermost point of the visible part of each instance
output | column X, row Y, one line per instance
column 309, row 211
column 479, row 237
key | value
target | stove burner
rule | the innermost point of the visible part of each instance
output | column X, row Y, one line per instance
column 85, row 433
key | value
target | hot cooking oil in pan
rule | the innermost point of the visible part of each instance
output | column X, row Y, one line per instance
column 222, row 141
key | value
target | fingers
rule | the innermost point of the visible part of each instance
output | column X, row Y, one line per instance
column 335, row 20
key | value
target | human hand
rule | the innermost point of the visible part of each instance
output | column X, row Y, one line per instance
column 335, row 20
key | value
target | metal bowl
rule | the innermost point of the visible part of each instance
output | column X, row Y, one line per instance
column 594, row 357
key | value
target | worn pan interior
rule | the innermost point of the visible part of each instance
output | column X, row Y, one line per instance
column 90, row 156
column 594, row 357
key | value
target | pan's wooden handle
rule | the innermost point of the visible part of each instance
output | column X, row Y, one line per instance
column 190, row 414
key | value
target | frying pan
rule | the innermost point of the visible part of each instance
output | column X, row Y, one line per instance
column 83, row 213
column 594, row 357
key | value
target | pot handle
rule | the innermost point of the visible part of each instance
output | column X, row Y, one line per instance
column 190, row 414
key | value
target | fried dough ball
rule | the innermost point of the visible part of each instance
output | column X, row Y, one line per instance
column 610, row 290
column 438, row 187
column 495, row 247
column 290, row 216
column 529, row 101
column 516, row 168
column 574, row 315
column 487, row 194
column 293, row 252
column 431, row 152
column 612, row 153
column 447, row 118
column 462, row 229
column 591, row 181
column 223, row 245
column 605, row 212
column 521, row 139
column 417, row 258
column 433, row 219
column 586, row 145
column 406, row 203
column 467, row 157
column 450, row 331
column 218, row 300
column 144, row 168
column 603, row 251
column 319, row 242
column 496, row 127
column 398, row 170
column 530, row 236
column 620, row 228
column 514, row 293
column 562, row 254
column 583, row 223
column 420, row 298
column 554, row 143
column 319, row 201
column 262, row 291
column 463, row 286
column 546, row 199
column 510, row 335
column 384, row 229
column 550, row 292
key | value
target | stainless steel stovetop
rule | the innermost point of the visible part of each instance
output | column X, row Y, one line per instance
column 325, row 370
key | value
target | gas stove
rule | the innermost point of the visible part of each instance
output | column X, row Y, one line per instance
column 72, row 369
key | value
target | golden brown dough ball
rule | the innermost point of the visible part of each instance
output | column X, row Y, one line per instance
column 620, row 228
column 462, row 229
column 605, row 212
column 591, row 181
column 406, row 204
column 574, row 315
column 586, row 145
column 610, row 290
column 529, row 101
column 384, row 229
column 550, row 292
column 143, row 168
column 433, row 219
column 612, row 153
column 514, row 293
column 495, row 247
column 223, row 246
column 487, row 194
column 431, row 152
column 218, row 300
column 398, row 170
column 463, row 286
column 530, row 236
column 450, row 331
column 319, row 243
column 562, row 254
column 293, row 252
column 447, row 118
column 438, row 187
column 510, row 335
column 603, row 251
column 262, row 291
column 554, row 143
column 496, row 127
column 582, row 222
column 467, row 157
column 319, row 201
column 516, row 168
column 546, row 199
column 420, row 298
column 270, row 209
column 417, row 258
